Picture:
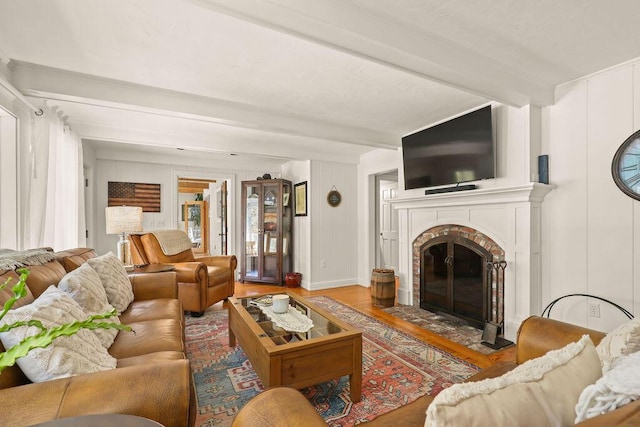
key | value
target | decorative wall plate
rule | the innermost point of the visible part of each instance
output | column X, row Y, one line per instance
column 334, row 198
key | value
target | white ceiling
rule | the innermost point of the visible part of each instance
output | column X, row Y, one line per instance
column 299, row 79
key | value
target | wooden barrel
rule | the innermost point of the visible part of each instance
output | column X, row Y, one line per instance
column 383, row 287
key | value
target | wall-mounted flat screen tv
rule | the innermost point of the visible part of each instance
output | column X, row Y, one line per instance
column 458, row 150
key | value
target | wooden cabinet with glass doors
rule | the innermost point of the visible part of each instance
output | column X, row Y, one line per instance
column 267, row 230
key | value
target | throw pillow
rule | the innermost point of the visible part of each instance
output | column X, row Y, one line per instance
column 77, row 354
column 625, row 339
column 617, row 387
column 541, row 392
column 115, row 280
column 85, row 287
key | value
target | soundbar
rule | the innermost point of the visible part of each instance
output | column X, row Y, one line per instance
column 450, row 189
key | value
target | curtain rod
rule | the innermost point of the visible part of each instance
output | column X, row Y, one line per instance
column 15, row 92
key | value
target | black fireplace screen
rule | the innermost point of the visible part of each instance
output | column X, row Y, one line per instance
column 454, row 279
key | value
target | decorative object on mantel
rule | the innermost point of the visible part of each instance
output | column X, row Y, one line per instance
column 334, row 197
column 625, row 166
column 300, row 203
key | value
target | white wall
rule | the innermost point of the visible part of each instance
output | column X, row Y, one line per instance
column 166, row 175
column 297, row 172
column 591, row 230
column 326, row 249
column 371, row 164
column 334, row 235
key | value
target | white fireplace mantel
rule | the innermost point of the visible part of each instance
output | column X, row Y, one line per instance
column 511, row 216
column 530, row 192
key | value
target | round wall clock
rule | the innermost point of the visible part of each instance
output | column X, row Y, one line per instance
column 625, row 166
column 334, row 198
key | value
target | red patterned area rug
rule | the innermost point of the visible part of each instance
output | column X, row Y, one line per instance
column 397, row 369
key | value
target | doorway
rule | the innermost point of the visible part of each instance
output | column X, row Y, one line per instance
column 203, row 213
column 387, row 252
column 193, row 198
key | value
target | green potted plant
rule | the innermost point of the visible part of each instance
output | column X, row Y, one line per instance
column 46, row 335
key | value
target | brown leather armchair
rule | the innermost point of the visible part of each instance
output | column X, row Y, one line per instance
column 202, row 281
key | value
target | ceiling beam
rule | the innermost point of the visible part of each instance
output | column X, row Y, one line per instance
column 277, row 150
column 60, row 85
column 353, row 29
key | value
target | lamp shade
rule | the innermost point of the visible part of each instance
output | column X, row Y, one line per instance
column 123, row 219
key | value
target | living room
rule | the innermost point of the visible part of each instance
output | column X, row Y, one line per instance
column 580, row 236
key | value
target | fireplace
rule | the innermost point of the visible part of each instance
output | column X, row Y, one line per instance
column 506, row 222
column 456, row 275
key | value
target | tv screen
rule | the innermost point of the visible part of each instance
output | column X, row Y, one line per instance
column 458, row 150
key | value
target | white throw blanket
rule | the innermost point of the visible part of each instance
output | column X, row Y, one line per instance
column 10, row 259
column 173, row 242
column 614, row 389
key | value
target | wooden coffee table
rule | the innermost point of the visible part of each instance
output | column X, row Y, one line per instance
column 330, row 349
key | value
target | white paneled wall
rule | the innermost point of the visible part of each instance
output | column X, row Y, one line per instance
column 334, row 238
column 591, row 242
column 297, row 172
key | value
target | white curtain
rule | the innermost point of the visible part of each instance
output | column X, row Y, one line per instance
column 53, row 193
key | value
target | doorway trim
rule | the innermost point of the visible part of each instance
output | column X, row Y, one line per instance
column 387, row 176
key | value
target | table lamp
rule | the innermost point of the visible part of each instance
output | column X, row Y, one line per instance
column 122, row 220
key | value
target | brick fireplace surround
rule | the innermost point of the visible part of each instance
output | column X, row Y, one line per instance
column 506, row 221
column 497, row 291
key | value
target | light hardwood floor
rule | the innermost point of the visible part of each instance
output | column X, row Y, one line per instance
column 359, row 298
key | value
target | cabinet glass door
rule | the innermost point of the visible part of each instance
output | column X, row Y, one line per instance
column 253, row 233
column 271, row 226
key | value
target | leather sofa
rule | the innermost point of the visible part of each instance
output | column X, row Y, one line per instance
column 280, row 407
column 153, row 376
column 202, row 281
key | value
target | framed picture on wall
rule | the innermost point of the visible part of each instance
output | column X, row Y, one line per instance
column 300, row 193
column 134, row 194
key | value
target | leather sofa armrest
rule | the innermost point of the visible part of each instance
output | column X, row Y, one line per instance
column 161, row 391
column 148, row 286
column 190, row 272
column 278, row 407
column 537, row 335
column 226, row 261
